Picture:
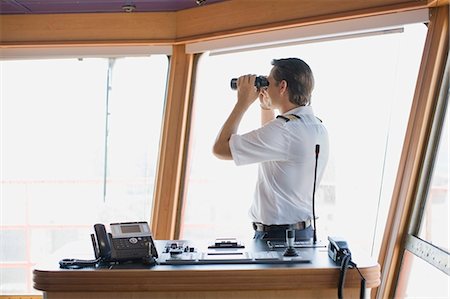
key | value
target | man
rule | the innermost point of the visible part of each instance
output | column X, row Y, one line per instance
column 284, row 147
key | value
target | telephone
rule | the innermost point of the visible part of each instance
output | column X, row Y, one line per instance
column 127, row 242
column 339, row 252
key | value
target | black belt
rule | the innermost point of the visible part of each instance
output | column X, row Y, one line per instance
column 274, row 227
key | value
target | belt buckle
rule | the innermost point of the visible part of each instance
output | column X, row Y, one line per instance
column 301, row 225
column 258, row 227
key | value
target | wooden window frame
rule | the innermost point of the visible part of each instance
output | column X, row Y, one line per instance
column 168, row 190
column 400, row 219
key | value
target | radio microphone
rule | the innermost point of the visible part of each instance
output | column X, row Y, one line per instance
column 314, row 194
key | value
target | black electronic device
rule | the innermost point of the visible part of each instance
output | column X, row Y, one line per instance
column 226, row 243
column 178, row 247
column 338, row 249
column 127, row 242
column 232, row 257
column 260, row 81
column 273, row 245
column 339, row 252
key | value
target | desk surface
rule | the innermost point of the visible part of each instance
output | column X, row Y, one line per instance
column 321, row 272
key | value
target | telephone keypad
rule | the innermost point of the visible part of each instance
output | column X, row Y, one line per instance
column 130, row 243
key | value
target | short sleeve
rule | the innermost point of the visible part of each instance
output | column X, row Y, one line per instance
column 268, row 143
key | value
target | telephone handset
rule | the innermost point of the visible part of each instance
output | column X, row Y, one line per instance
column 127, row 242
column 101, row 243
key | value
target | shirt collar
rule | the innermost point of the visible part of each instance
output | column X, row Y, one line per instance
column 301, row 110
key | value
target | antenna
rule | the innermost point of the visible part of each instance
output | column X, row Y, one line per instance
column 314, row 193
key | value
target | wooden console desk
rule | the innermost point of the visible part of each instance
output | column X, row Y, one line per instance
column 316, row 279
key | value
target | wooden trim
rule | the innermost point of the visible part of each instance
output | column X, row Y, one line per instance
column 185, row 280
column 198, row 24
column 317, row 293
column 186, row 167
column 419, row 125
column 195, row 26
column 48, row 29
column 173, row 139
column 437, row 3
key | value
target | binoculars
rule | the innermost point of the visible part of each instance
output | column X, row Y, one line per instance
column 260, row 81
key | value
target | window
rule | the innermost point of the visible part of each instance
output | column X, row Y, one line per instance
column 434, row 226
column 427, row 254
column 79, row 145
column 363, row 93
column 423, row 280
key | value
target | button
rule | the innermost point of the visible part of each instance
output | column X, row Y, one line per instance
column 133, row 240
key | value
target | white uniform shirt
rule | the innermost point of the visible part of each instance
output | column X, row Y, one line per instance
column 286, row 153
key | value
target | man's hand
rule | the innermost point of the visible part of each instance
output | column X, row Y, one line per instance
column 247, row 94
column 246, row 90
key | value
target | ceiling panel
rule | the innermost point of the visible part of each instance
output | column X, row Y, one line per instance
column 96, row 6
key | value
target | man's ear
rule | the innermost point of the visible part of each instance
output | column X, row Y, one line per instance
column 283, row 86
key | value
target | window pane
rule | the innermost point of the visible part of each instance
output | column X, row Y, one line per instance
column 13, row 247
column 14, row 280
column 58, row 137
column 435, row 222
column 419, row 279
column 363, row 92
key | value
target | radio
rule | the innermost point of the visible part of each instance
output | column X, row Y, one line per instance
column 338, row 249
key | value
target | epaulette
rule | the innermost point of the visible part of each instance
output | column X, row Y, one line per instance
column 289, row 117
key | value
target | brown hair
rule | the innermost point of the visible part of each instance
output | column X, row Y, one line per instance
column 299, row 78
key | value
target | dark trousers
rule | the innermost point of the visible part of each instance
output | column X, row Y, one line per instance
column 280, row 235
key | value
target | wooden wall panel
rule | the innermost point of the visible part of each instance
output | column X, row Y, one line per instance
column 236, row 16
column 96, row 28
column 227, row 18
